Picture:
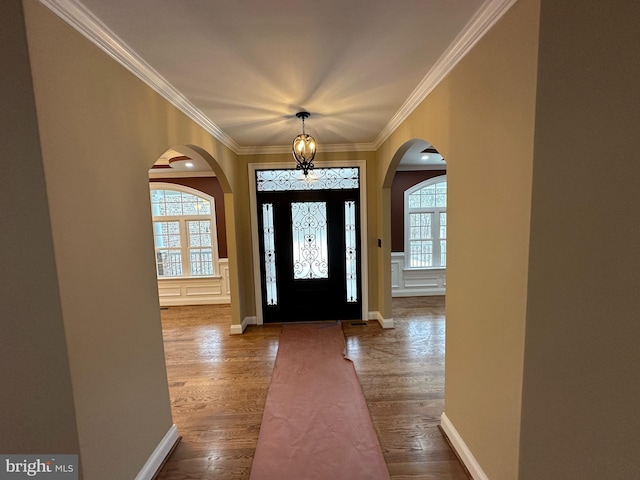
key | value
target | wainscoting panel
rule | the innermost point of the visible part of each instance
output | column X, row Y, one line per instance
column 196, row 291
column 415, row 282
column 167, row 291
column 213, row 288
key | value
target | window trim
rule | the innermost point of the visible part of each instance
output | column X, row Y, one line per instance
column 184, row 247
column 435, row 224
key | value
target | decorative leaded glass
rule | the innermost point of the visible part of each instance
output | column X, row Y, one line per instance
column 318, row 179
column 269, row 254
column 351, row 251
column 310, row 249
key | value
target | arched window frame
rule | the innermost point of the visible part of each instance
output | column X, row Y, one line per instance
column 185, row 248
column 438, row 229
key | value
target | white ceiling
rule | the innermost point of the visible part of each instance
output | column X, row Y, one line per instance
column 243, row 68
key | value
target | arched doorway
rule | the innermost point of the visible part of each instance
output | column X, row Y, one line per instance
column 192, row 166
column 414, row 162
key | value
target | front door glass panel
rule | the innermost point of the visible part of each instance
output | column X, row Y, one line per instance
column 351, row 251
column 269, row 254
column 309, row 230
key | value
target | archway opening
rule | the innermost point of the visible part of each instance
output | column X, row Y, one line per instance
column 418, row 202
column 195, row 174
column 411, row 291
column 413, row 190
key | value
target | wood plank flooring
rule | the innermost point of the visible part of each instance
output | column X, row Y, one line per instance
column 218, row 385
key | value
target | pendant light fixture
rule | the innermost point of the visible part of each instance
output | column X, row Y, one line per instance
column 304, row 147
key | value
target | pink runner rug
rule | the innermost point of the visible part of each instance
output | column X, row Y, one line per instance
column 316, row 424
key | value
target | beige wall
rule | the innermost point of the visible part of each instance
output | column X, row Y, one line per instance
column 581, row 415
column 481, row 117
column 36, row 404
column 98, row 122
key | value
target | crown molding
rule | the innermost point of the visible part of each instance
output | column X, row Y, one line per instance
column 478, row 26
column 85, row 22
column 278, row 149
column 163, row 173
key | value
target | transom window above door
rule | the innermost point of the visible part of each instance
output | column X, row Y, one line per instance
column 319, row 179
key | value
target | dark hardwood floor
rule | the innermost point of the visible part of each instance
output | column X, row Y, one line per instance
column 218, row 385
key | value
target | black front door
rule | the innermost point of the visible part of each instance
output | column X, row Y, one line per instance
column 309, row 255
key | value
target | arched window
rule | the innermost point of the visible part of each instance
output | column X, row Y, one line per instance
column 184, row 231
column 426, row 224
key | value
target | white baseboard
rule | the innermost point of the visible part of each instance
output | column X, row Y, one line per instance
column 384, row 322
column 461, row 449
column 239, row 329
column 434, row 292
column 159, row 455
column 236, row 330
column 185, row 302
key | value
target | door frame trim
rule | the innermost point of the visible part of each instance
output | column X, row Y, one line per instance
column 253, row 206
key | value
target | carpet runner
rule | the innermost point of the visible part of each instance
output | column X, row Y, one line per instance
column 316, row 424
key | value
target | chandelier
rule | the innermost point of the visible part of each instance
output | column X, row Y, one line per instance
column 304, row 147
